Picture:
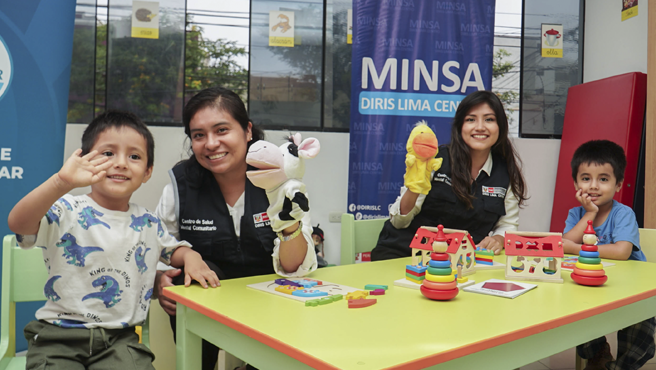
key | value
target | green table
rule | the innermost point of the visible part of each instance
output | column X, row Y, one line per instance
column 404, row 330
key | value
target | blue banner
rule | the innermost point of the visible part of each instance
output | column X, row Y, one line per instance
column 36, row 43
column 412, row 60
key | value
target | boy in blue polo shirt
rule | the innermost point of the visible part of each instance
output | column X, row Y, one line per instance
column 598, row 172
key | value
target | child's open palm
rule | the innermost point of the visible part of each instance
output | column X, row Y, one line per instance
column 79, row 171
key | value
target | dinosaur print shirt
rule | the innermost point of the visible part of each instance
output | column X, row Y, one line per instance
column 101, row 263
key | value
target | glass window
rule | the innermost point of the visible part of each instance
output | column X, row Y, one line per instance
column 337, row 81
column 80, row 97
column 145, row 59
column 286, row 63
column 217, row 46
column 545, row 79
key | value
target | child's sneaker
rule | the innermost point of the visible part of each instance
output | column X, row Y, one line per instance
column 600, row 359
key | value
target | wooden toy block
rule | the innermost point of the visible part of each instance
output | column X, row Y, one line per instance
column 287, row 289
column 359, row 303
column 360, row 294
column 309, row 293
column 286, row 282
column 540, row 255
column 377, row 292
column 326, row 300
column 417, row 269
column 374, row 287
column 312, row 303
column 337, row 297
column 414, row 280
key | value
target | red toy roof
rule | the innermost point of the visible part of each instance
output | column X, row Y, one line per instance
column 534, row 246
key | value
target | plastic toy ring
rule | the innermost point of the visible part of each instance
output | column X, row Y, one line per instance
column 439, row 256
column 439, row 264
column 584, row 266
column 440, row 278
column 589, row 254
column 590, row 261
column 589, row 248
column 590, row 273
column 440, row 286
column 439, row 271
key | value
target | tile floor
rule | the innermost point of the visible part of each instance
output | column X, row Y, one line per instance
column 566, row 360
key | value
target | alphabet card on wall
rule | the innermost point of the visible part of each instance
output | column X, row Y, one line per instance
column 303, row 289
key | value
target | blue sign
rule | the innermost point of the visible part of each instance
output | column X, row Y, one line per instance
column 412, row 60
column 36, row 44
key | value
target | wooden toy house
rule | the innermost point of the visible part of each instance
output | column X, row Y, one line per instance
column 461, row 248
column 534, row 256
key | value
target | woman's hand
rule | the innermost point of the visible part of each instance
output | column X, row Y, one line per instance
column 492, row 243
column 162, row 280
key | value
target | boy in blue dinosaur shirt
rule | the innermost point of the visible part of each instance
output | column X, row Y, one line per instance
column 598, row 172
column 101, row 251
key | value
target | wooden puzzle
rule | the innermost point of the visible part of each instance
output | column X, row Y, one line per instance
column 534, row 256
column 304, row 289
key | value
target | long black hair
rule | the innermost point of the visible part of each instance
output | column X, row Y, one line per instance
column 461, row 161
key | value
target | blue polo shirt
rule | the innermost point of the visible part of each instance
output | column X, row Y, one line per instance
column 621, row 225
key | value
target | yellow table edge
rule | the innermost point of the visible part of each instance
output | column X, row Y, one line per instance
column 427, row 361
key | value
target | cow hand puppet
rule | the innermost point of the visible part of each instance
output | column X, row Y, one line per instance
column 279, row 171
column 420, row 159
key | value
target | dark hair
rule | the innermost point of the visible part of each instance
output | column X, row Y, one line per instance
column 600, row 152
column 118, row 119
column 223, row 100
column 317, row 231
column 461, row 161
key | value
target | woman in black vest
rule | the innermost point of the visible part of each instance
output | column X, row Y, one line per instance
column 212, row 204
column 478, row 188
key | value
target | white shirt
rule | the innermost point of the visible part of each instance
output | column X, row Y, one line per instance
column 508, row 222
column 166, row 212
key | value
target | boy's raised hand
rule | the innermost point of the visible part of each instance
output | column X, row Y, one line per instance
column 586, row 201
column 79, row 171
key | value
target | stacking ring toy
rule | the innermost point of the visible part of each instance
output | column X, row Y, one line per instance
column 590, row 273
column 440, row 286
column 589, row 254
column 590, row 261
column 440, row 278
column 439, row 264
column 589, row 248
column 439, row 271
column 587, row 280
column 585, row 266
column 440, row 295
column 439, row 256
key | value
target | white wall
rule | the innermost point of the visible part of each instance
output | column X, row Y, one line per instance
column 613, row 47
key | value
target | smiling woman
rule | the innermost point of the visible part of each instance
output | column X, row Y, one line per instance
column 478, row 187
column 214, row 206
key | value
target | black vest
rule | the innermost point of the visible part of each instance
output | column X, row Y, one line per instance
column 205, row 222
column 441, row 206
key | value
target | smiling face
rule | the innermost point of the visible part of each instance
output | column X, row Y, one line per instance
column 480, row 130
column 219, row 142
column 126, row 149
column 599, row 182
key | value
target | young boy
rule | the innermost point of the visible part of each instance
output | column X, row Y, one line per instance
column 101, row 251
column 598, row 172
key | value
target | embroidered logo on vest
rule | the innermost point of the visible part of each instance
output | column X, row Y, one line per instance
column 442, row 178
column 261, row 219
column 496, row 192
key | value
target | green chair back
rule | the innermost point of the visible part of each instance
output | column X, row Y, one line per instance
column 358, row 236
column 23, row 277
column 648, row 243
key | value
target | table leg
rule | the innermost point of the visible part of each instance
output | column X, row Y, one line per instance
column 188, row 345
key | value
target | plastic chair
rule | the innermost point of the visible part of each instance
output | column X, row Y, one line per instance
column 23, row 278
column 358, row 236
column 648, row 243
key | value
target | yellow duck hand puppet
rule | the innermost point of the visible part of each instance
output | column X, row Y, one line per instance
column 420, row 160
